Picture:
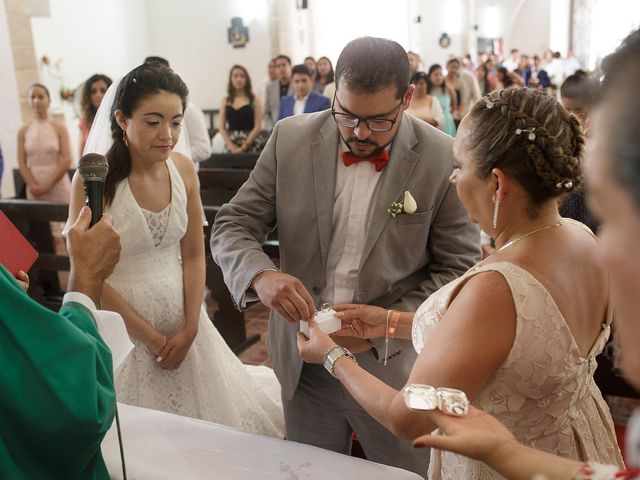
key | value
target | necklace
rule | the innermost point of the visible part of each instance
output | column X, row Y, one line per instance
column 532, row 232
column 508, row 244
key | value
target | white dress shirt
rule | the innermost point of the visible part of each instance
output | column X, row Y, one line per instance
column 110, row 326
column 197, row 134
column 298, row 106
column 356, row 191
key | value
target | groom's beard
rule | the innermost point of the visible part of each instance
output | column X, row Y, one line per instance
column 378, row 148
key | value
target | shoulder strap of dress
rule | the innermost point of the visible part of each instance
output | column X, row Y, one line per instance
column 499, row 267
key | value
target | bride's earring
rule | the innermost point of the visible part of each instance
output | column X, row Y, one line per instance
column 496, row 211
column 125, row 140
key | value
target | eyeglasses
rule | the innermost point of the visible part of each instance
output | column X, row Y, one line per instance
column 373, row 123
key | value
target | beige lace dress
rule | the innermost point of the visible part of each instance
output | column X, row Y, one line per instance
column 544, row 391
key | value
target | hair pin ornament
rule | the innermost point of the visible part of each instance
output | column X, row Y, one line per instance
column 531, row 136
column 565, row 184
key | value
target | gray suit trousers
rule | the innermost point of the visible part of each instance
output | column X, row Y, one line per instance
column 322, row 413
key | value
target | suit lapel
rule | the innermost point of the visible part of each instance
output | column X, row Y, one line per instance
column 324, row 153
column 393, row 183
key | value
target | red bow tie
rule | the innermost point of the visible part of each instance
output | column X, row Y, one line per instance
column 380, row 159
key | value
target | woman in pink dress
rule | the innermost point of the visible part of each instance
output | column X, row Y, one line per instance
column 44, row 156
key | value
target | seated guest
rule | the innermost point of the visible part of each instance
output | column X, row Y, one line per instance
column 486, row 79
column 324, row 77
column 535, row 76
column 523, row 66
column 93, row 91
column 56, row 383
column 424, row 106
column 304, row 99
column 445, row 95
column 311, row 64
column 528, row 354
column 240, row 116
column 577, row 94
column 414, row 62
column 280, row 87
column 507, row 79
column 613, row 174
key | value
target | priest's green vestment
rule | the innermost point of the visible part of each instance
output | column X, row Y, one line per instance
column 57, row 397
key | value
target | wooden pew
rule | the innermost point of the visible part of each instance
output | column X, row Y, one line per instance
column 219, row 185
column 231, row 160
column 32, row 219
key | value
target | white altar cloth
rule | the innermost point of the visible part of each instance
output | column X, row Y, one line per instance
column 160, row 445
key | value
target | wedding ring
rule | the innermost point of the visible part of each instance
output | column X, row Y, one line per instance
column 425, row 397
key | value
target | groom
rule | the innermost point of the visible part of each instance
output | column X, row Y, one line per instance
column 327, row 180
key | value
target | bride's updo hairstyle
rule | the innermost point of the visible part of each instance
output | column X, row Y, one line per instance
column 532, row 138
column 140, row 83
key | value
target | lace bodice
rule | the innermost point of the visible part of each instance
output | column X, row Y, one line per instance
column 544, row 391
column 157, row 223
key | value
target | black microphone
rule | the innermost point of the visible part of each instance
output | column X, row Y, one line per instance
column 93, row 169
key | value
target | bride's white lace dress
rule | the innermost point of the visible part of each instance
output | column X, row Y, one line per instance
column 211, row 384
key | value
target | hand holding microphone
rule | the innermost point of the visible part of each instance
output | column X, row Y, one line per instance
column 93, row 169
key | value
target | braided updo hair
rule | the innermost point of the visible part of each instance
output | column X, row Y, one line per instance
column 529, row 136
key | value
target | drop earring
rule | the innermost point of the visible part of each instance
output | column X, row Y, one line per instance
column 496, row 210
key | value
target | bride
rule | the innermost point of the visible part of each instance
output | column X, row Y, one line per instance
column 180, row 363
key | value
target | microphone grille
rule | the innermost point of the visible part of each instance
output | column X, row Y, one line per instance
column 93, row 167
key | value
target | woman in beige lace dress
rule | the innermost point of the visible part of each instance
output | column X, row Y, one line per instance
column 519, row 332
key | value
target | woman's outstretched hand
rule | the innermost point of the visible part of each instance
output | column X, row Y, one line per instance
column 477, row 435
column 362, row 321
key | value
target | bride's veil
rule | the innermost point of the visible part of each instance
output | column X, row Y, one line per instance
column 100, row 138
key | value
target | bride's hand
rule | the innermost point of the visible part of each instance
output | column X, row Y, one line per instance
column 173, row 353
column 156, row 343
column 362, row 321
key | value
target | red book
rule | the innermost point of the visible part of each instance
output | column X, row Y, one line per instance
column 16, row 253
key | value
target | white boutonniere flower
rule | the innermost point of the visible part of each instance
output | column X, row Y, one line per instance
column 407, row 205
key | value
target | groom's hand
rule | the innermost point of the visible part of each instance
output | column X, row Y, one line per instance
column 285, row 294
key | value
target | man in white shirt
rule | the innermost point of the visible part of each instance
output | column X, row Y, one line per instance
column 511, row 63
column 304, row 99
column 327, row 181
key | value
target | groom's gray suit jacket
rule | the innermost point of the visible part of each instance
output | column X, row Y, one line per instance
column 405, row 259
